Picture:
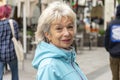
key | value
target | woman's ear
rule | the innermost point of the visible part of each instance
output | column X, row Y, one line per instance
column 47, row 35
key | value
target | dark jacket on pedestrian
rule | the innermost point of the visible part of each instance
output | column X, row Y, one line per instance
column 112, row 36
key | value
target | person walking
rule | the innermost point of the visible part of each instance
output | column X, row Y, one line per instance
column 112, row 44
column 54, row 56
column 7, row 51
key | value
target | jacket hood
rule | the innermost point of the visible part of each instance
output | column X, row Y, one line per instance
column 118, row 11
column 45, row 50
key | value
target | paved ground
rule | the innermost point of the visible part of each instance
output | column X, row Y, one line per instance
column 94, row 63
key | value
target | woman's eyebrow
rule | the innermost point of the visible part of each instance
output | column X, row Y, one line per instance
column 56, row 24
column 70, row 24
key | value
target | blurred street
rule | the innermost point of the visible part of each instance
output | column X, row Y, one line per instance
column 94, row 63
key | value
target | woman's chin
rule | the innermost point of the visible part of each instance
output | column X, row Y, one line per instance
column 66, row 46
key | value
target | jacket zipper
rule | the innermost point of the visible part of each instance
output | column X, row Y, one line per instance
column 75, row 69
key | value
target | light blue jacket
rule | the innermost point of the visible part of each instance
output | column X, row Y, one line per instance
column 54, row 63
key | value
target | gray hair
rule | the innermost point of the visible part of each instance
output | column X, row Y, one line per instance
column 54, row 11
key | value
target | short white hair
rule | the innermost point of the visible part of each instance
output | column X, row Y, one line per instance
column 55, row 10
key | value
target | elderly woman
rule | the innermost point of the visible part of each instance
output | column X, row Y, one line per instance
column 55, row 57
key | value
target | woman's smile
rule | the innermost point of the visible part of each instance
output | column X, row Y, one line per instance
column 62, row 32
column 66, row 41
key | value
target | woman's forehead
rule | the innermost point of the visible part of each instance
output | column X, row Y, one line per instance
column 62, row 20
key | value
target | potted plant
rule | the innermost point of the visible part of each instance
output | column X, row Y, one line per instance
column 101, row 34
column 30, row 35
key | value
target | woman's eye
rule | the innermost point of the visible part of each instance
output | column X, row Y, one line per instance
column 58, row 28
column 70, row 27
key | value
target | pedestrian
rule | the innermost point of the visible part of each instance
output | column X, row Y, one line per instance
column 7, row 51
column 54, row 56
column 112, row 44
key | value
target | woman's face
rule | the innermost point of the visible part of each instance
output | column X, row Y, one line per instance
column 62, row 33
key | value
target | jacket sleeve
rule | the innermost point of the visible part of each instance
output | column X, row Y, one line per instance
column 47, row 73
column 107, row 38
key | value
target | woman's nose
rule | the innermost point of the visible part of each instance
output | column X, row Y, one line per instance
column 66, row 32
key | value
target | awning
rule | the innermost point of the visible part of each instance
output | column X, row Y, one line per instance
column 29, row 5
